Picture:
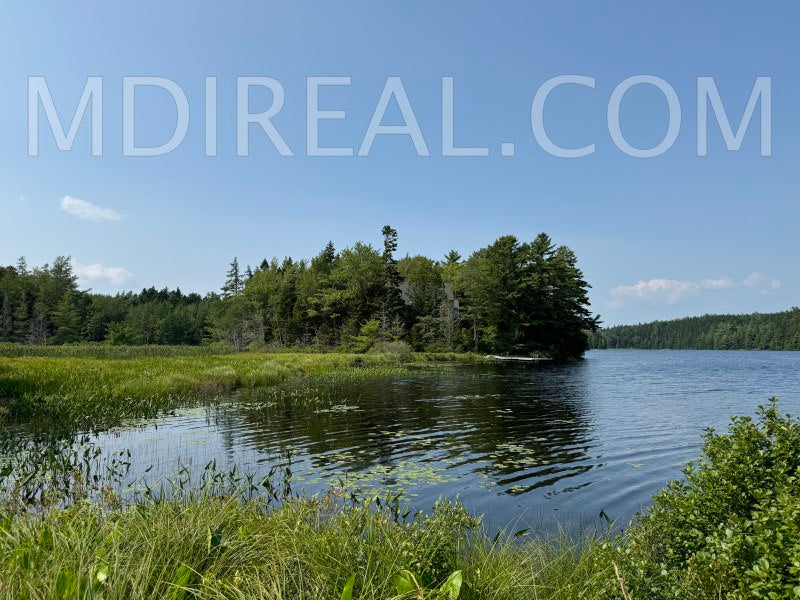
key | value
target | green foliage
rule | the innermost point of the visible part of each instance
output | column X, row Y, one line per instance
column 408, row 586
column 398, row 347
column 305, row 548
column 526, row 298
column 509, row 297
column 731, row 529
column 347, row 592
column 44, row 306
column 775, row 331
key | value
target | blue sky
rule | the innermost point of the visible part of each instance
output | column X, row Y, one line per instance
column 657, row 238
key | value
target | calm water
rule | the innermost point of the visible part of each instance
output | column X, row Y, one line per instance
column 527, row 446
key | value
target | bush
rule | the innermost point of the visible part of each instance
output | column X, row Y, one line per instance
column 732, row 528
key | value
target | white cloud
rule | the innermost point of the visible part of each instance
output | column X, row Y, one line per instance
column 716, row 284
column 669, row 291
column 86, row 210
column 672, row 291
column 759, row 280
column 98, row 273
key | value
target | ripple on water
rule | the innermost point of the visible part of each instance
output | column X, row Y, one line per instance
column 565, row 441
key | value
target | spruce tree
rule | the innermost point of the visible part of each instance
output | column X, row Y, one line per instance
column 233, row 282
column 7, row 320
column 393, row 304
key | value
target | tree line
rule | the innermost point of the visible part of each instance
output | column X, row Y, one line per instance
column 771, row 331
column 509, row 297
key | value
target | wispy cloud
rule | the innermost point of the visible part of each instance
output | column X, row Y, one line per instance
column 668, row 291
column 86, row 210
column 762, row 282
column 98, row 273
column 673, row 291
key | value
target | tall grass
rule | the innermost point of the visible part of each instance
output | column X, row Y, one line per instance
column 306, row 549
column 88, row 392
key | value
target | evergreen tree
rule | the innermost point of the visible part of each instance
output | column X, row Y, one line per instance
column 452, row 258
column 68, row 319
column 509, row 297
column 776, row 331
column 6, row 320
column 329, row 253
column 233, row 281
column 391, row 310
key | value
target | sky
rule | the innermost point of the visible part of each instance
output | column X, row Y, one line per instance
column 673, row 235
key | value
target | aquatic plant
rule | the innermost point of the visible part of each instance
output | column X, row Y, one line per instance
column 91, row 393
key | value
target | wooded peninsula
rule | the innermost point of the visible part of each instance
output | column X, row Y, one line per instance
column 510, row 297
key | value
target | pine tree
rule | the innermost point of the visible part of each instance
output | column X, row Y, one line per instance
column 21, row 316
column 329, row 253
column 67, row 319
column 233, row 283
column 6, row 320
column 452, row 258
column 22, row 266
column 391, row 310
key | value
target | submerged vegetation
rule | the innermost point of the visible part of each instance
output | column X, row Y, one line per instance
column 509, row 297
column 730, row 529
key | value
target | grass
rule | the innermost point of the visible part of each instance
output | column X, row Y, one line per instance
column 75, row 387
column 306, row 549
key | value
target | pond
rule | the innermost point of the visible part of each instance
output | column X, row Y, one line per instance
column 527, row 446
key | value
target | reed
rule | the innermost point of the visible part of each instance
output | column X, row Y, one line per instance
column 304, row 549
column 72, row 388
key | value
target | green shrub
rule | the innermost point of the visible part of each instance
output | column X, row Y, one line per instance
column 732, row 528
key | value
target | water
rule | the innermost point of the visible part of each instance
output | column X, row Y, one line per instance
column 524, row 445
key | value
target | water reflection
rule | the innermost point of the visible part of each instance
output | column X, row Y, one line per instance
column 512, row 429
column 516, row 443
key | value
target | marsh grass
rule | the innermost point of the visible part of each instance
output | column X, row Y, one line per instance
column 322, row 391
column 305, row 549
column 90, row 392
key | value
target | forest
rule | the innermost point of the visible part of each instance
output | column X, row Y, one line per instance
column 770, row 331
column 509, row 297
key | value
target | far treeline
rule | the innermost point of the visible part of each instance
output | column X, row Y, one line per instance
column 772, row 331
column 510, row 297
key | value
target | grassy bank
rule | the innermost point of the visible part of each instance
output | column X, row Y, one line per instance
column 730, row 529
column 88, row 386
column 303, row 550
